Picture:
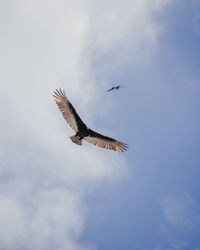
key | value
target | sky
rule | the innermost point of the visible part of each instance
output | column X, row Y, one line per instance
column 56, row 195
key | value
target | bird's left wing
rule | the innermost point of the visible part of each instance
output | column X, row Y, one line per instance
column 67, row 110
column 105, row 141
column 110, row 89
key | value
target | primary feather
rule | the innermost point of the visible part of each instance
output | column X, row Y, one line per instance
column 82, row 131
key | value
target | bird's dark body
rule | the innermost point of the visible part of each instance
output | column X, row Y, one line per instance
column 82, row 132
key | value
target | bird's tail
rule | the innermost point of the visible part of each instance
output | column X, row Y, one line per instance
column 76, row 140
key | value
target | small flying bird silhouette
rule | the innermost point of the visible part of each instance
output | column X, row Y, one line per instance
column 82, row 131
column 116, row 87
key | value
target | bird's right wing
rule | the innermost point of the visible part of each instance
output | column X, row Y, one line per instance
column 67, row 110
column 105, row 141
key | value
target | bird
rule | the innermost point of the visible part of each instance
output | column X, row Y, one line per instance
column 115, row 87
column 82, row 131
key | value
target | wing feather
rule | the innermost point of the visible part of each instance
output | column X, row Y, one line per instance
column 105, row 141
column 68, row 111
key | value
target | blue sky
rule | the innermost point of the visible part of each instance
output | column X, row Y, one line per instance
column 55, row 195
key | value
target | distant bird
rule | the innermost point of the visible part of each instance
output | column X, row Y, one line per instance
column 116, row 87
column 82, row 131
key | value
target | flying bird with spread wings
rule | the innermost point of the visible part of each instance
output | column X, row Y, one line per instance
column 82, row 131
column 116, row 87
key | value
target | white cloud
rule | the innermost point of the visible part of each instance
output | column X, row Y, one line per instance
column 178, row 211
column 13, row 223
column 127, row 30
column 180, row 223
column 44, row 177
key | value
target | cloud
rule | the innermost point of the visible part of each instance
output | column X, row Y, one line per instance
column 47, row 219
column 175, row 244
column 126, row 31
column 13, row 222
column 178, row 244
column 180, row 223
column 179, row 211
column 44, row 177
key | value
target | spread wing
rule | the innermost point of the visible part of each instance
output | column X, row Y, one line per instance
column 110, row 89
column 105, row 141
column 67, row 110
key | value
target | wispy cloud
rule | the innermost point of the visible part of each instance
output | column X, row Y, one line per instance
column 126, row 31
column 179, row 212
column 181, row 221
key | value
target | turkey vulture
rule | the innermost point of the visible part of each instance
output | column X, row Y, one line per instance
column 117, row 87
column 82, row 131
